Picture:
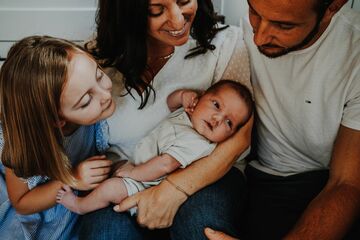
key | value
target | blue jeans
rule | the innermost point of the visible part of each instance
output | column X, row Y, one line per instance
column 219, row 206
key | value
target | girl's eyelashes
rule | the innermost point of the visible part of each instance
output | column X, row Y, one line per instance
column 87, row 103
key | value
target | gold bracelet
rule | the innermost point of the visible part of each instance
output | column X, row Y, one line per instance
column 177, row 187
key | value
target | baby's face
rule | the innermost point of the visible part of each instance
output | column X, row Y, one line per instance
column 218, row 114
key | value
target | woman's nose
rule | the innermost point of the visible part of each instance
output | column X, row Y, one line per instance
column 176, row 18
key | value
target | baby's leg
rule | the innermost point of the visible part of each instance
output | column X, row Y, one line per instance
column 112, row 190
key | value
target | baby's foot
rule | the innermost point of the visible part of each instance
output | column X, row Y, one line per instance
column 66, row 197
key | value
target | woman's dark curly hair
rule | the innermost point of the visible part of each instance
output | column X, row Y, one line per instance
column 122, row 33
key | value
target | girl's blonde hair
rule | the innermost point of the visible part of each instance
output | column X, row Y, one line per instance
column 31, row 81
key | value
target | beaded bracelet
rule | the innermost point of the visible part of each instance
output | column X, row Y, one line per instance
column 177, row 187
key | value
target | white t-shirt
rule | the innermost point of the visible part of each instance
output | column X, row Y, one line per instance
column 302, row 98
column 174, row 136
column 229, row 60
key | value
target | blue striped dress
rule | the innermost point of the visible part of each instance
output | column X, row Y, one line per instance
column 56, row 223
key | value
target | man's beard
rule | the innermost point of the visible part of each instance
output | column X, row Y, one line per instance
column 285, row 51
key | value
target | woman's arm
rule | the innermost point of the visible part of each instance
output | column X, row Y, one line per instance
column 27, row 201
column 158, row 205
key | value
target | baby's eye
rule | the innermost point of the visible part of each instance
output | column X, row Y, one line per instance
column 229, row 123
column 216, row 104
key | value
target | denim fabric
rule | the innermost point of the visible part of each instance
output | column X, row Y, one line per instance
column 105, row 224
column 218, row 205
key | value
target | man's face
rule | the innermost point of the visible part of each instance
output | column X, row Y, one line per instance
column 282, row 26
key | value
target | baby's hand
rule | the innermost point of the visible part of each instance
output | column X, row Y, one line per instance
column 125, row 170
column 189, row 100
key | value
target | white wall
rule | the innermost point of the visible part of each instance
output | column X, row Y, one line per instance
column 70, row 19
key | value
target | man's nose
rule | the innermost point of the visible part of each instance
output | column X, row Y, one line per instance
column 262, row 33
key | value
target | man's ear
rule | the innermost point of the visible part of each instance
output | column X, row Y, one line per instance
column 333, row 8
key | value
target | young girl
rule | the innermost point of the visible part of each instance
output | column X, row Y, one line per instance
column 52, row 94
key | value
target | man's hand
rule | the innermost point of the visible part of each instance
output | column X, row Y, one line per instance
column 216, row 235
column 157, row 205
column 91, row 172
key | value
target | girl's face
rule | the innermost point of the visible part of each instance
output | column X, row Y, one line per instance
column 170, row 20
column 86, row 96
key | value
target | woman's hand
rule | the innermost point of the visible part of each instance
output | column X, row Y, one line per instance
column 91, row 172
column 157, row 205
column 216, row 235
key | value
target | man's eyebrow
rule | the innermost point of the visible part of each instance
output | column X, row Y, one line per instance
column 284, row 22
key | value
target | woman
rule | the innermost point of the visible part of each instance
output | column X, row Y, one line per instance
column 148, row 42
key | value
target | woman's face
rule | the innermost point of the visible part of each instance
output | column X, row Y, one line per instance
column 86, row 96
column 170, row 20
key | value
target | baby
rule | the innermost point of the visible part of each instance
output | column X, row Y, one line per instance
column 189, row 133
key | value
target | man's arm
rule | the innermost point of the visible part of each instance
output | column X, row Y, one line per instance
column 151, row 170
column 332, row 212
